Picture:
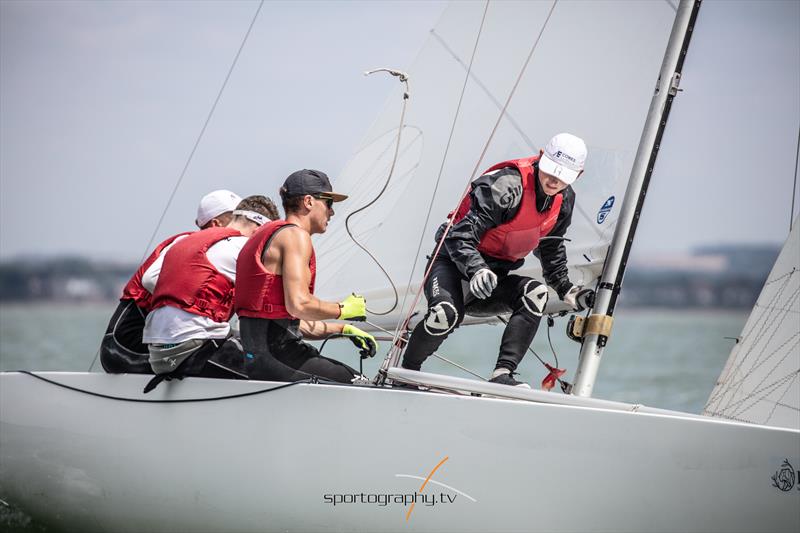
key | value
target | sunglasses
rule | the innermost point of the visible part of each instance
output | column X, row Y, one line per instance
column 328, row 201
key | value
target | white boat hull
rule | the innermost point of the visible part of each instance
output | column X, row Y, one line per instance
column 280, row 461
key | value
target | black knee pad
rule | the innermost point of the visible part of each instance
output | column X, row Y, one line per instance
column 533, row 298
column 441, row 319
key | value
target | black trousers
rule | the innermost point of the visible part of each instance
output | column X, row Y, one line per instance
column 275, row 351
column 121, row 350
column 449, row 298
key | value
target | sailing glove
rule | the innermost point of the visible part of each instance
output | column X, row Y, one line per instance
column 353, row 307
column 579, row 298
column 366, row 343
column 483, row 283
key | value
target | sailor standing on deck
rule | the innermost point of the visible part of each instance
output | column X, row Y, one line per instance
column 122, row 349
column 510, row 210
column 193, row 297
column 275, row 291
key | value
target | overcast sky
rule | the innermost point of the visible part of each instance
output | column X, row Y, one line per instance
column 101, row 104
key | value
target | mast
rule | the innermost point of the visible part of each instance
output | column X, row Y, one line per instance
column 598, row 325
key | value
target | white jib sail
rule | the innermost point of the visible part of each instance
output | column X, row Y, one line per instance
column 761, row 379
column 592, row 74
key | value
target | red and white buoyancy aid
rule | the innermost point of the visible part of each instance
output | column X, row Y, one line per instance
column 519, row 236
column 134, row 290
column 260, row 293
column 190, row 282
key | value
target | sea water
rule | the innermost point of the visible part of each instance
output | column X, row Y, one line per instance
column 667, row 359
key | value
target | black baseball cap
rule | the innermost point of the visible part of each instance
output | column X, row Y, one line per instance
column 313, row 182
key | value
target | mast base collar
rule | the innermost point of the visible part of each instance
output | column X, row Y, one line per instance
column 578, row 326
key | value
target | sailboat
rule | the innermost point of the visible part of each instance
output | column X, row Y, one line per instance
column 90, row 452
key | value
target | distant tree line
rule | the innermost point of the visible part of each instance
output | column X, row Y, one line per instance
column 62, row 279
column 737, row 284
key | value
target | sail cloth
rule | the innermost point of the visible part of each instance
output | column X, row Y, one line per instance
column 592, row 74
column 760, row 382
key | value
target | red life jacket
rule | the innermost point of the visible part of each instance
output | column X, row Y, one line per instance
column 190, row 282
column 260, row 293
column 134, row 290
column 519, row 236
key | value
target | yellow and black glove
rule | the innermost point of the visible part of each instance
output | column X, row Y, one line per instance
column 366, row 343
column 353, row 307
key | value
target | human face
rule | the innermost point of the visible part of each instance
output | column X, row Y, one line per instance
column 551, row 185
column 321, row 212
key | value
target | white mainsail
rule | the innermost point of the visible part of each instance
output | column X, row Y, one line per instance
column 578, row 80
column 761, row 379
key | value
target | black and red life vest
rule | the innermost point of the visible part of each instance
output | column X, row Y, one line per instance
column 260, row 293
column 519, row 236
column 190, row 282
column 134, row 290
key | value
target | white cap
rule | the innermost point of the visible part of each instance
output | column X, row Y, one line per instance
column 564, row 157
column 214, row 204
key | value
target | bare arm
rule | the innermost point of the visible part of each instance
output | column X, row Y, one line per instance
column 294, row 246
column 318, row 330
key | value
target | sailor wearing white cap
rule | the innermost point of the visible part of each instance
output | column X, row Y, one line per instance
column 216, row 208
column 121, row 349
column 563, row 158
column 193, row 299
column 516, row 207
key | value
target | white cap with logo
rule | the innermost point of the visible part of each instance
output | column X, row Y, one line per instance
column 214, row 204
column 564, row 157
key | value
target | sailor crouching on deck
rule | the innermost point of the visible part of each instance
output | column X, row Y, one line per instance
column 509, row 211
column 275, row 294
column 193, row 298
column 122, row 349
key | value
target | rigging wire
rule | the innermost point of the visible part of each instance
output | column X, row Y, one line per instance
column 511, row 120
column 436, row 185
column 436, row 355
column 395, row 353
column 194, row 149
column 794, row 186
column 404, row 79
column 202, row 131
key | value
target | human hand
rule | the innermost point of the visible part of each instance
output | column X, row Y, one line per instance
column 366, row 343
column 483, row 283
column 353, row 307
column 579, row 298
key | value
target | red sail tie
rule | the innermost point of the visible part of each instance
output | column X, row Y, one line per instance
column 550, row 380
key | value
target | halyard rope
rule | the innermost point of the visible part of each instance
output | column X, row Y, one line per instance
column 404, row 79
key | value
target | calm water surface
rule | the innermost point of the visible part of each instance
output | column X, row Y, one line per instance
column 667, row 359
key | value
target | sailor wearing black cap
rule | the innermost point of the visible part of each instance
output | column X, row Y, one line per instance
column 275, row 291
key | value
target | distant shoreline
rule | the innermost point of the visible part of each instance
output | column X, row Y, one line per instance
column 621, row 309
